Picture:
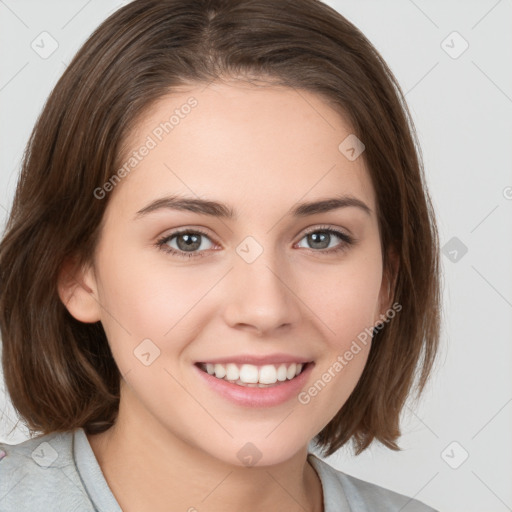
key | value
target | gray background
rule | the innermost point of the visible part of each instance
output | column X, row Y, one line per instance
column 462, row 104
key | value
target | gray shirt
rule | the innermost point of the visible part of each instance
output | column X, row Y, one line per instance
column 59, row 472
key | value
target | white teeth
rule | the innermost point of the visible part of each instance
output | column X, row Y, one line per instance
column 232, row 372
column 268, row 374
column 220, row 371
column 282, row 373
column 291, row 371
column 249, row 374
column 254, row 376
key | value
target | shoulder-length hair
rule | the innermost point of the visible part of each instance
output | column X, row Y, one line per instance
column 59, row 372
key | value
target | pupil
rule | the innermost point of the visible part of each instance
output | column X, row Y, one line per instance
column 190, row 240
column 319, row 238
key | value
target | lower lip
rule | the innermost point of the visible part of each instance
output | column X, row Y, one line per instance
column 254, row 396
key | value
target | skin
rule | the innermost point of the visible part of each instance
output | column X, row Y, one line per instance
column 260, row 150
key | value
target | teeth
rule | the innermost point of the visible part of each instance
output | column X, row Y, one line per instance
column 291, row 371
column 220, row 371
column 254, row 376
column 282, row 373
column 268, row 374
column 232, row 372
column 249, row 374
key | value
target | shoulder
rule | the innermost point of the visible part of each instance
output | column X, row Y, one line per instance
column 360, row 495
column 40, row 474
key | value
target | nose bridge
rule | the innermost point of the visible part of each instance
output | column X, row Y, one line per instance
column 263, row 298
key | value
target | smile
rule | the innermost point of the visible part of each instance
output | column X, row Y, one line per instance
column 255, row 385
column 249, row 375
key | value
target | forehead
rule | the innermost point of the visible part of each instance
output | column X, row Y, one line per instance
column 245, row 144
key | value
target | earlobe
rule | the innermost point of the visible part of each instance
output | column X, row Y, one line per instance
column 77, row 291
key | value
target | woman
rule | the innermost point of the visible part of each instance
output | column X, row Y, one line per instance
column 221, row 248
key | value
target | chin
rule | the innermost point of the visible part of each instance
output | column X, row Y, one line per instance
column 258, row 451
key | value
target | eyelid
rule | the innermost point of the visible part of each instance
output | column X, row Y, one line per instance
column 303, row 232
column 171, row 233
column 326, row 227
column 347, row 240
column 161, row 243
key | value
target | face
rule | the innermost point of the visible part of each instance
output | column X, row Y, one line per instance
column 176, row 285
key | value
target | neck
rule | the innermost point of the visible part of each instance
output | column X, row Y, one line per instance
column 149, row 468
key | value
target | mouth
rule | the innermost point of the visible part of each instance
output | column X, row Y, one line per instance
column 249, row 375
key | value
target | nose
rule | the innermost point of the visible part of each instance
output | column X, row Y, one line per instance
column 261, row 295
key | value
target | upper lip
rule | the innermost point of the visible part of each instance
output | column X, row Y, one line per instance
column 258, row 360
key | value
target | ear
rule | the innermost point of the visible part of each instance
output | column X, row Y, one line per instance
column 78, row 291
column 388, row 285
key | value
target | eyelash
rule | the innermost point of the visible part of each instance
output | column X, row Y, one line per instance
column 161, row 244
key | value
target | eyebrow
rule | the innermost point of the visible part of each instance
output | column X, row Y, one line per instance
column 224, row 211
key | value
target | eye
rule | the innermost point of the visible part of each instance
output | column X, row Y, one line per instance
column 321, row 238
column 187, row 242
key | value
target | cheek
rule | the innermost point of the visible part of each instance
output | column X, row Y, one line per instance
column 346, row 314
column 344, row 298
column 143, row 299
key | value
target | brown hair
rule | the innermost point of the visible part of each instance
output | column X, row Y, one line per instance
column 59, row 372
